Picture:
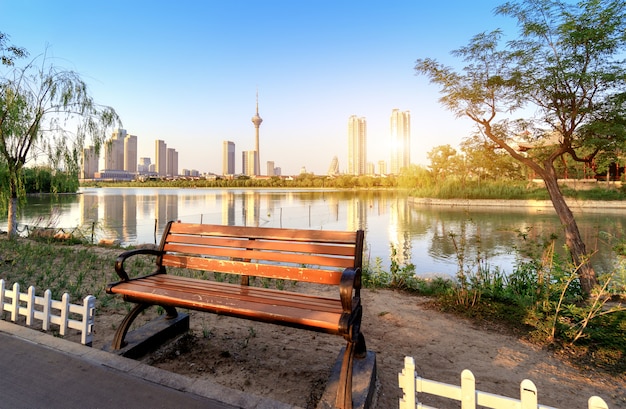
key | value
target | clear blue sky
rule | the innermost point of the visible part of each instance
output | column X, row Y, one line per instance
column 187, row 72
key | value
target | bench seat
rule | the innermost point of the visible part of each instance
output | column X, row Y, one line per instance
column 254, row 303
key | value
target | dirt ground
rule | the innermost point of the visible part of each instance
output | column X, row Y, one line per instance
column 293, row 365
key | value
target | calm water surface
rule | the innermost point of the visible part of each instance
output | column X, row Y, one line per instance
column 430, row 237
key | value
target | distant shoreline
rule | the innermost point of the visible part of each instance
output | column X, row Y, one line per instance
column 574, row 204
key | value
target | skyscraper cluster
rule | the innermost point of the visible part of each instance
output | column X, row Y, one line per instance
column 400, row 135
column 120, row 159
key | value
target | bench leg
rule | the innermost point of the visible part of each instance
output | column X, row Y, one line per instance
column 360, row 347
column 120, row 334
column 344, row 388
column 358, row 350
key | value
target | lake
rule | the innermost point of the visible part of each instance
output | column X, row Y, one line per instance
column 430, row 236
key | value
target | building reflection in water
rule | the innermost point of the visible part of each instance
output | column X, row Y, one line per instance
column 399, row 231
column 420, row 234
column 141, row 217
column 228, row 208
column 399, row 221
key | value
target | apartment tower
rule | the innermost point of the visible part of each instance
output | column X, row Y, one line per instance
column 90, row 163
column 228, row 158
column 130, row 153
column 114, row 151
column 357, row 142
column 172, row 162
column 160, row 155
column 400, row 140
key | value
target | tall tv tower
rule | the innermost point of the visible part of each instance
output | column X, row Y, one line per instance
column 256, row 120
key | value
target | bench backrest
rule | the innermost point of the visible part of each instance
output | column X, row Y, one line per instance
column 317, row 256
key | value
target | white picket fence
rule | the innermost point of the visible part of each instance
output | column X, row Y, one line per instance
column 467, row 394
column 49, row 311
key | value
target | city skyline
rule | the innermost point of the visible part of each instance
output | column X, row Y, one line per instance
column 119, row 159
column 310, row 79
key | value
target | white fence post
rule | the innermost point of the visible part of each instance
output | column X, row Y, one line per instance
column 65, row 309
column 89, row 312
column 596, row 402
column 30, row 306
column 407, row 383
column 468, row 390
column 528, row 394
column 15, row 302
column 47, row 309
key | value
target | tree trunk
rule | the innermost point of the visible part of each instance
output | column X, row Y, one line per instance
column 573, row 240
column 13, row 203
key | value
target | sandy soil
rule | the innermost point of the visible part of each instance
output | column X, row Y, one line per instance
column 292, row 365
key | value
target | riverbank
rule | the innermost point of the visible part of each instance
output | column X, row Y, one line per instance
column 538, row 205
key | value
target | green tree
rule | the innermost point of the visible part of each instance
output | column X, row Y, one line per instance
column 484, row 161
column 442, row 161
column 566, row 67
column 9, row 53
column 38, row 102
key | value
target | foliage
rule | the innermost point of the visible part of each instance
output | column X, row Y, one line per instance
column 566, row 65
column 401, row 277
column 543, row 293
column 39, row 103
column 497, row 190
column 40, row 179
column 9, row 53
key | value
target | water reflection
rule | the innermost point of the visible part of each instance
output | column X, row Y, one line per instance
column 430, row 237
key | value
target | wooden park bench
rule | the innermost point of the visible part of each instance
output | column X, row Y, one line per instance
column 332, row 258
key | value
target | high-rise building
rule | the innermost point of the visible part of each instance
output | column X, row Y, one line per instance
column 172, row 162
column 333, row 169
column 160, row 154
column 270, row 168
column 90, row 163
column 144, row 165
column 248, row 162
column 114, row 151
column 130, row 153
column 400, row 140
column 357, row 139
column 382, row 167
column 256, row 120
column 228, row 158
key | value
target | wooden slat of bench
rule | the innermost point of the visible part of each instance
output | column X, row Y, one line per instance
column 277, row 297
column 295, row 309
column 304, row 274
column 292, row 258
column 337, row 249
column 324, row 236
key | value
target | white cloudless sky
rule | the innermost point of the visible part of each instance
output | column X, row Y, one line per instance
column 187, row 72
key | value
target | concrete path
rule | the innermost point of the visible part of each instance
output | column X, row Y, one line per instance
column 38, row 370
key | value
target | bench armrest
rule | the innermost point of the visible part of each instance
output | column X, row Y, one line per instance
column 349, row 287
column 119, row 262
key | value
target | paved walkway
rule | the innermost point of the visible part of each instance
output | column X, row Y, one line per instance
column 38, row 370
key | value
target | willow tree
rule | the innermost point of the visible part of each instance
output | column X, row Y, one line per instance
column 46, row 113
column 559, row 87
